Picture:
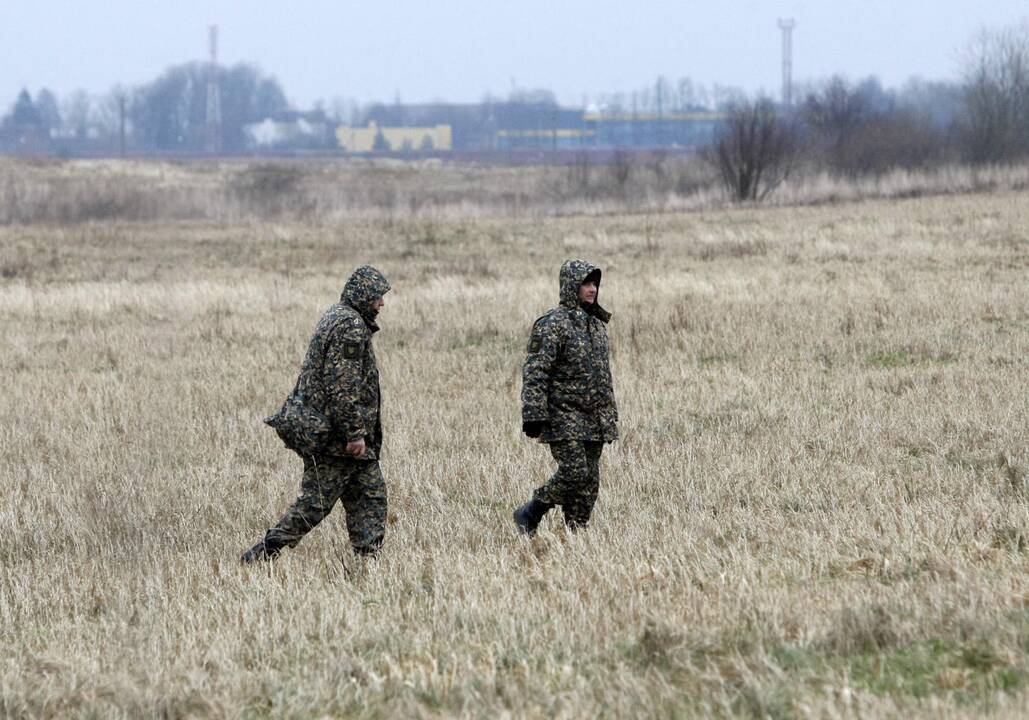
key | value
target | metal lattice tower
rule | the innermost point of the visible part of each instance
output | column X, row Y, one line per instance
column 787, row 26
column 213, row 140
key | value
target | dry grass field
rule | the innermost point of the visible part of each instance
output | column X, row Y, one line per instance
column 234, row 191
column 819, row 506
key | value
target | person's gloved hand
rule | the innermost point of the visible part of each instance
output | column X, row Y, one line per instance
column 532, row 428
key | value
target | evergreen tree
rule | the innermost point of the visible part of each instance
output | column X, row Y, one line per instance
column 25, row 114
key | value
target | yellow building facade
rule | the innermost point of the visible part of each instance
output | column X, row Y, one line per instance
column 394, row 139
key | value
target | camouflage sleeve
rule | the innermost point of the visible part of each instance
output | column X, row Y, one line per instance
column 544, row 346
column 610, row 385
column 344, row 355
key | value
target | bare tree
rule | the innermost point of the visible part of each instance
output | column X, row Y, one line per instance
column 579, row 172
column 837, row 112
column 621, row 169
column 996, row 95
column 77, row 112
column 899, row 139
column 107, row 112
column 857, row 129
column 754, row 151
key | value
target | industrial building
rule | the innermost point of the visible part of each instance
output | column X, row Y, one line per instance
column 486, row 127
column 374, row 138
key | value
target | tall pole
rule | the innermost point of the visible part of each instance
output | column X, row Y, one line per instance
column 786, row 26
column 121, row 123
column 660, row 112
column 214, row 98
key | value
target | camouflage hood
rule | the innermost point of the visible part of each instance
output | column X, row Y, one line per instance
column 363, row 288
column 573, row 274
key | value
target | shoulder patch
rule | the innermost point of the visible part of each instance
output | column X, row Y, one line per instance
column 351, row 350
column 535, row 344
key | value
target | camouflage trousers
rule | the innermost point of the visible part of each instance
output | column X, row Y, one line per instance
column 575, row 484
column 357, row 484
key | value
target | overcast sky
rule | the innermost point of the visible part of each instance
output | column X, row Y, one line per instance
column 461, row 49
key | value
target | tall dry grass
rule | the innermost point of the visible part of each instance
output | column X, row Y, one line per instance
column 818, row 507
column 326, row 191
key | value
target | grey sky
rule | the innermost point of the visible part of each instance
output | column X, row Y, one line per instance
column 461, row 49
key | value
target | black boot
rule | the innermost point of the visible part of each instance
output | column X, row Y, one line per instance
column 261, row 551
column 529, row 515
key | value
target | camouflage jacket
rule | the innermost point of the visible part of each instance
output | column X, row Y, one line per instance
column 339, row 376
column 566, row 379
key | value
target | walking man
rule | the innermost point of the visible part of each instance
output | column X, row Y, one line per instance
column 331, row 419
column 568, row 398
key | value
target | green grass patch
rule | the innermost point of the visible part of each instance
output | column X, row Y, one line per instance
column 767, row 680
column 894, row 359
column 905, row 358
column 966, row 673
column 719, row 359
column 970, row 673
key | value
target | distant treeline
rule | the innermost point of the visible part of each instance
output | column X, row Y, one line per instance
column 168, row 114
column 846, row 127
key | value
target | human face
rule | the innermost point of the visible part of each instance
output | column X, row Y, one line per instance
column 377, row 304
column 588, row 292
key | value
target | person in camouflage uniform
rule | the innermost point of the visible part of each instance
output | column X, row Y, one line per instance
column 568, row 398
column 340, row 379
